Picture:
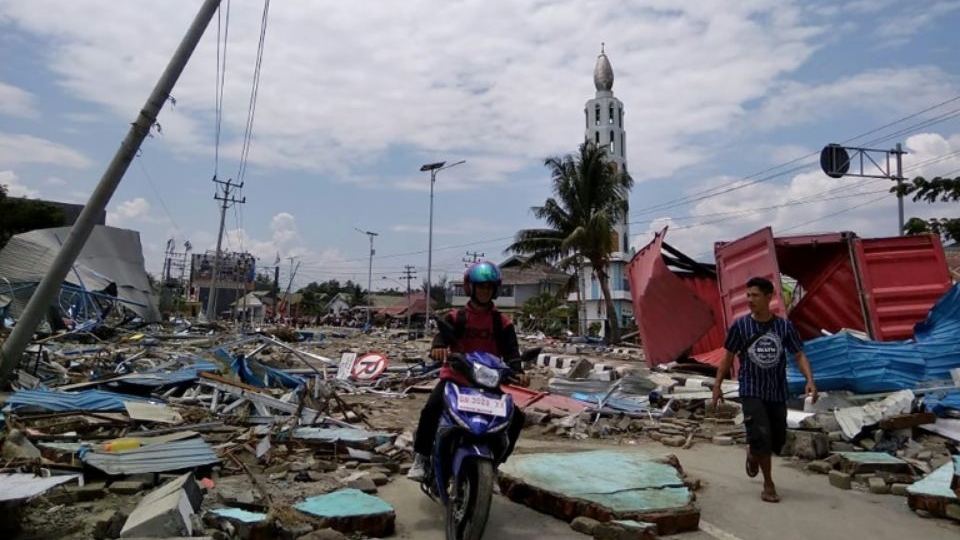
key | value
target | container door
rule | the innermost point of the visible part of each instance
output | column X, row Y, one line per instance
column 753, row 255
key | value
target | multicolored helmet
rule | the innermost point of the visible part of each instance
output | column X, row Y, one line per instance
column 482, row 272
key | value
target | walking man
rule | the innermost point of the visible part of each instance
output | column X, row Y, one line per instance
column 761, row 340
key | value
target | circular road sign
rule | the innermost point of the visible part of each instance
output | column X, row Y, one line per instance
column 834, row 160
column 369, row 366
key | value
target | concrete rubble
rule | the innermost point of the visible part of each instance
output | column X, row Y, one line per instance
column 220, row 432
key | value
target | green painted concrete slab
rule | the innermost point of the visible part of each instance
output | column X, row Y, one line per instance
column 240, row 515
column 624, row 482
column 936, row 484
column 344, row 503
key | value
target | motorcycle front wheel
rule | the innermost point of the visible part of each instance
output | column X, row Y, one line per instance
column 469, row 507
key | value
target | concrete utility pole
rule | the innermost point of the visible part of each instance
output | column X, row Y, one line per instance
column 369, row 272
column 434, row 168
column 226, row 201
column 408, row 274
column 13, row 347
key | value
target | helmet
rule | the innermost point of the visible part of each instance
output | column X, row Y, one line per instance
column 481, row 272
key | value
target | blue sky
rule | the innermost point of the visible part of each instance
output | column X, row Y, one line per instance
column 355, row 96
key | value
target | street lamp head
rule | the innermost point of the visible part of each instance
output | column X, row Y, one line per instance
column 433, row 166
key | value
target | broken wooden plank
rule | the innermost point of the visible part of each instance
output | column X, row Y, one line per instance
column 905, row 421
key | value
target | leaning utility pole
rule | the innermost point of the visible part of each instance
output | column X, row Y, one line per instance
column 226, row 201
column 13, row 347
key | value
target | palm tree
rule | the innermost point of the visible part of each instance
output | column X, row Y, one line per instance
column 590, row 196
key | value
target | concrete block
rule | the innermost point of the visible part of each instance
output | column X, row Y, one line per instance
column 160, row 517
column 584, row 525
column 821, row 467
column 899, row 489
column 187, row 483
column 126, row 488
column 878, row 486
column 811, row 444
column 324, row 534
column 722, row 440
column 107, row 524
column 364, row 484
column 841, row 446
column 840, row 480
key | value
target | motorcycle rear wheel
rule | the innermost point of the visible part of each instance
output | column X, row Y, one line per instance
column 469, row 507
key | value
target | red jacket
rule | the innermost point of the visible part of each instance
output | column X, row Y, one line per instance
column 478, row 336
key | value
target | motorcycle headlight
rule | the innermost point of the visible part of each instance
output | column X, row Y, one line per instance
column 486, row 377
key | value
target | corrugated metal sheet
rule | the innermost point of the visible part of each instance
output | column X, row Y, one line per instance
column 753, row 255
column 171, row 456
column 19, row 486
column 903, row 277
column 707, row 289
column 88, row 400
column 660, row 301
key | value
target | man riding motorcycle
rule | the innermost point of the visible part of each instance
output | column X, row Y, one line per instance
column 479, row 327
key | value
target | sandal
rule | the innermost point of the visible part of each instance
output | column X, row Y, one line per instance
column 770, row 497
column 752, row 467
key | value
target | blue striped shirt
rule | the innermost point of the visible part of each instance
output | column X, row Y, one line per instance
column 762, row 348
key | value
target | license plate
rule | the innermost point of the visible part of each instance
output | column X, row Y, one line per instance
column 483, row 405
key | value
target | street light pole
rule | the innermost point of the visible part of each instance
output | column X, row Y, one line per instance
column 371, row 234
column 434, row 168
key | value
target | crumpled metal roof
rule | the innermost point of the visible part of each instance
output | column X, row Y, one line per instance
column 88, row 400
column 110, row 255
column 171, row 456
column 845, row 362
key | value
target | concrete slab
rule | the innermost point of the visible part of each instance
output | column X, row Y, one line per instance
column 186, row 482
column 870, row 462
column 934, row 493
column 160, row 517
column 351, row 511
column 604, row 485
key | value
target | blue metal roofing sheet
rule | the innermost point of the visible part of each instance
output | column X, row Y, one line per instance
column 87, row 400
column 171, row 456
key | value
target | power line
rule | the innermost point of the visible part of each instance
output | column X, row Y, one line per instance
column 732, row 186
column 157, row 193
column 221, row 76
column 254, row 91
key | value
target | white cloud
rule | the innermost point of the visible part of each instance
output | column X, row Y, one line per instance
column 903, row 25
column 135, row 210
column 342, row 83
column 932, row 154
column 19, row 149
column 56, row 181
column 14, row 188
column 17, row 102
column 882, row 90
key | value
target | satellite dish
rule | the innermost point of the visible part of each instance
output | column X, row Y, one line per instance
column 834, row 160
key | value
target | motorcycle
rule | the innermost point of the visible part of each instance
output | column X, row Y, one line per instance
column 471, row 442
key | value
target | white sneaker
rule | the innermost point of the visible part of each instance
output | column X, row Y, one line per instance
column 419, row 468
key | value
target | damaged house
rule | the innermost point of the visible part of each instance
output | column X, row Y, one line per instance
column 108, row 277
